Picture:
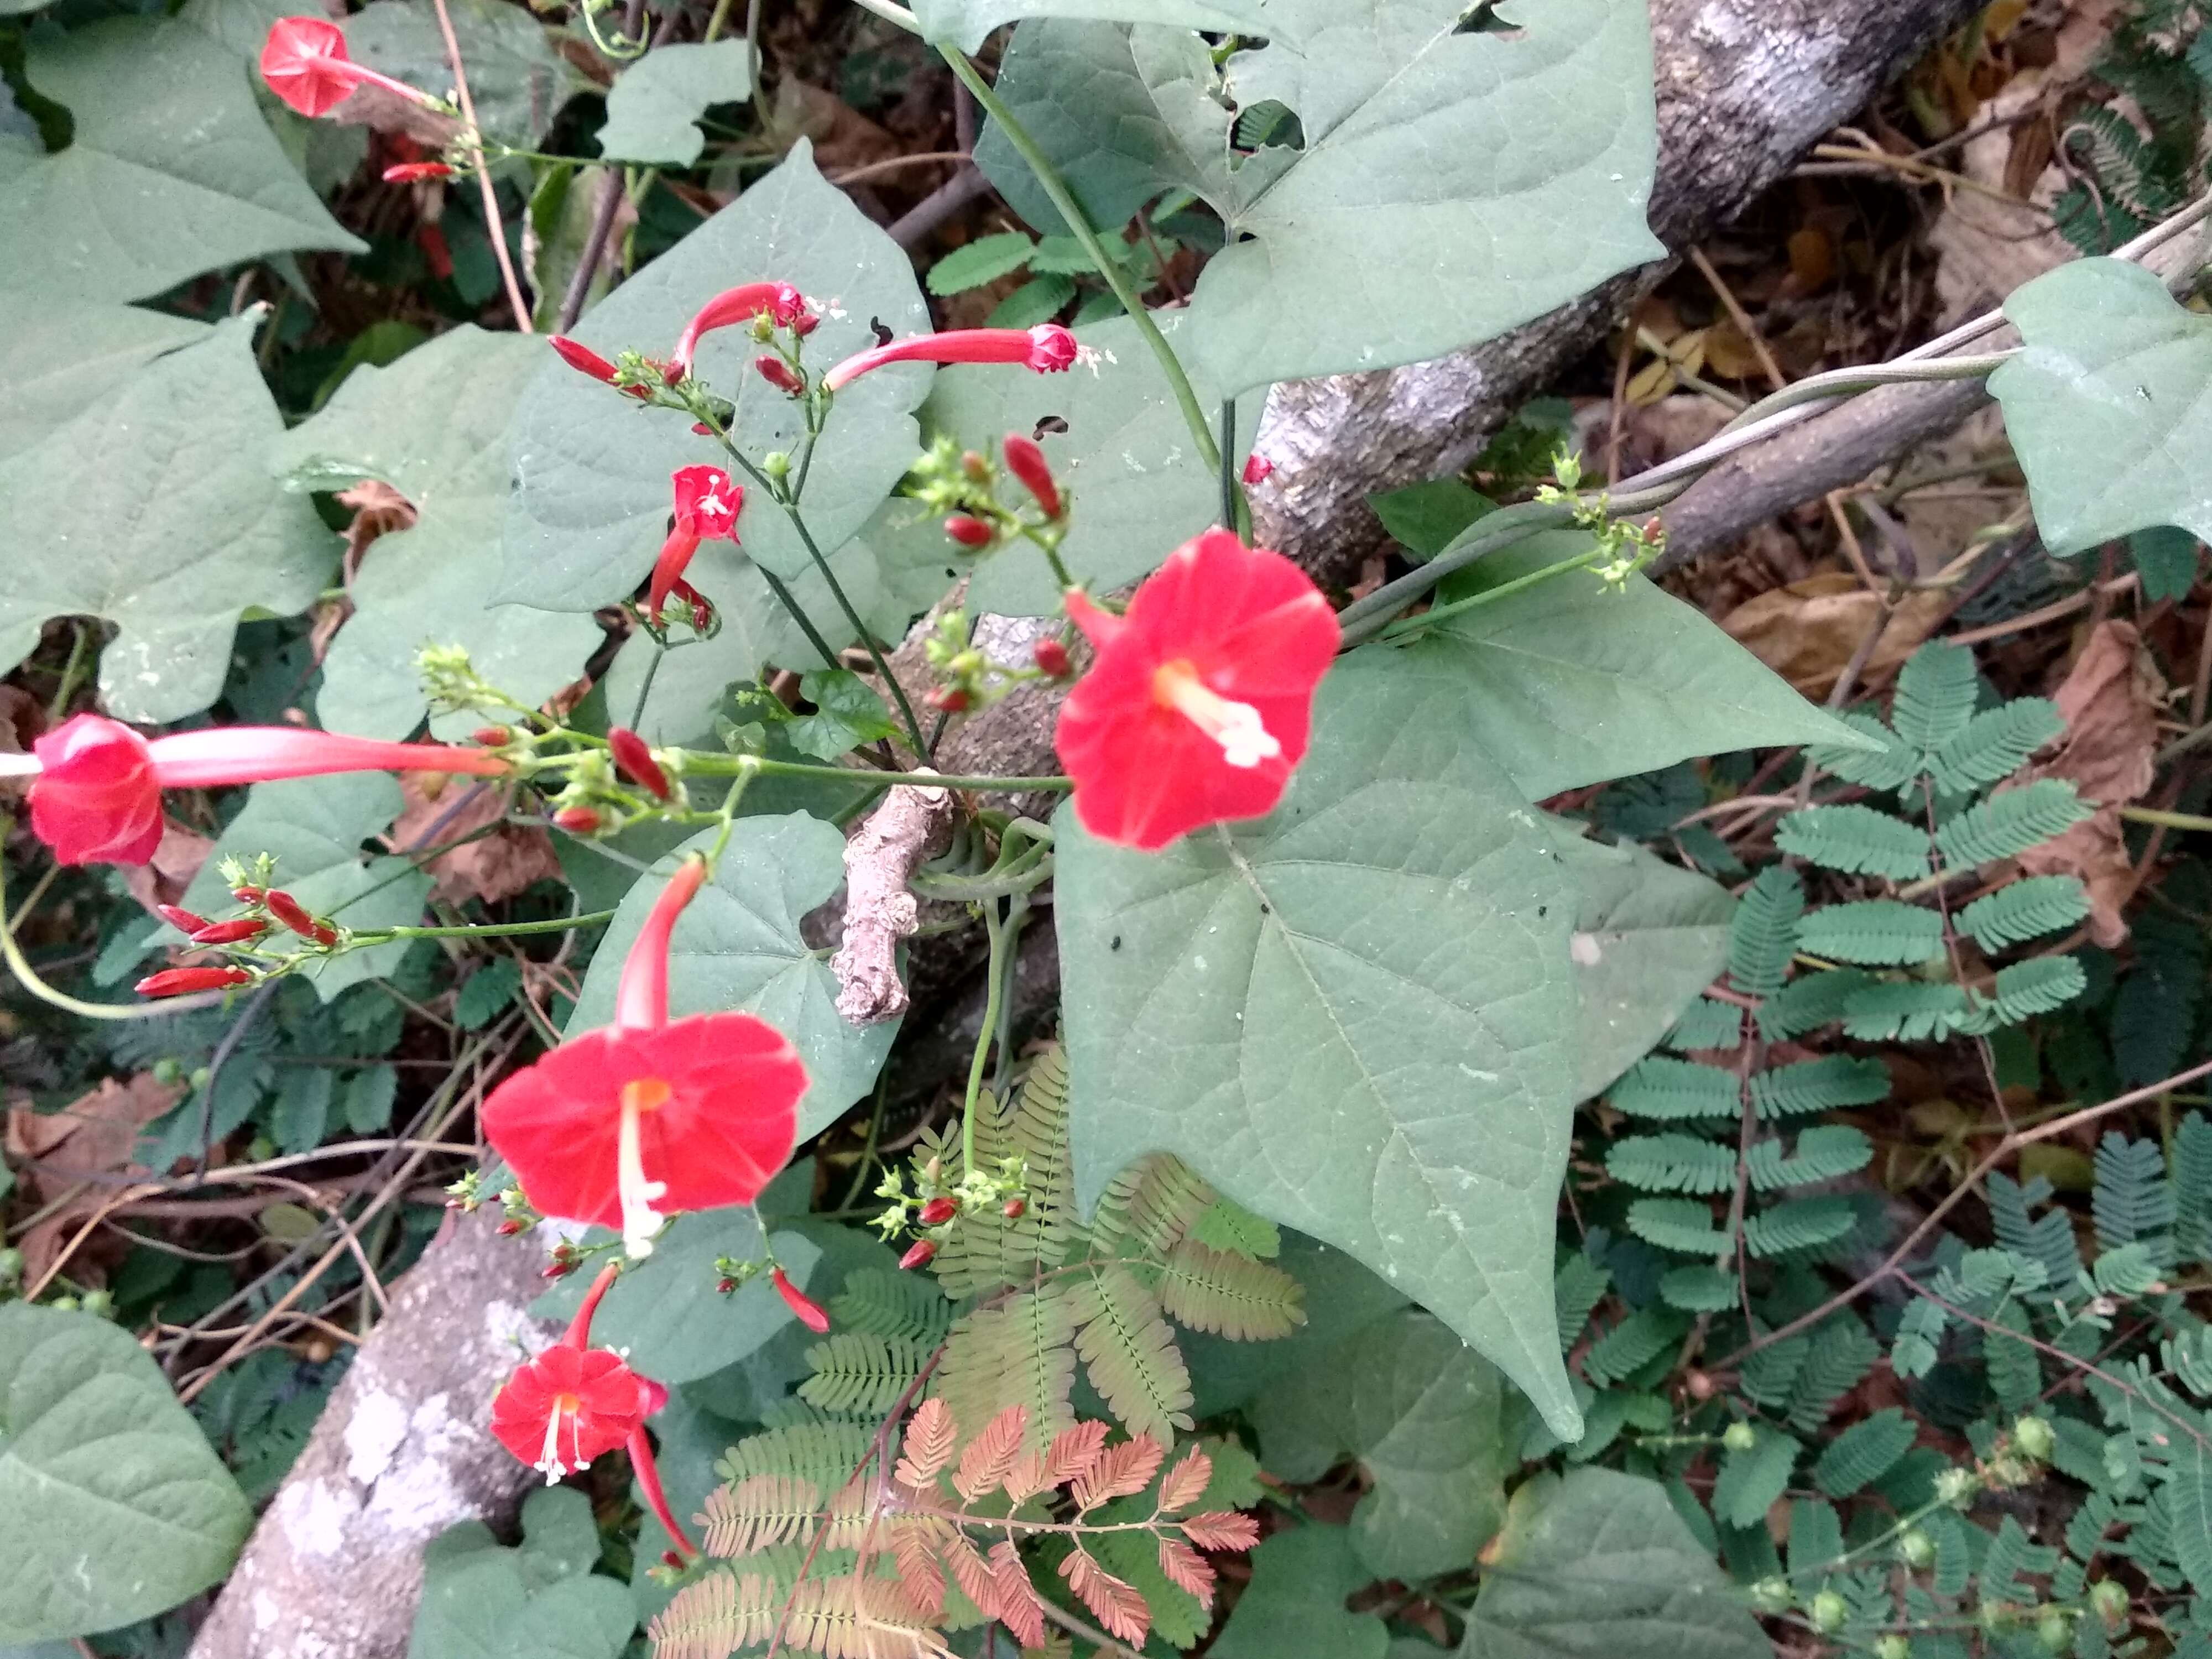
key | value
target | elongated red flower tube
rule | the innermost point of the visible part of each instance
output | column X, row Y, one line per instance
column 411, row 173
column 636, row 760
column 623, row 1125
column 779, row 375
column 585, row 360
column 778, row 300
column 578, row 820
column 229, row 932
column 1025, row 460
column 1198, row 707
column 811, row 1314
column 179, row 918
column 707, row 508
column 289, row 911
column 96, row 784
column 1048, row 348
column 178, row 982
column 304, row 61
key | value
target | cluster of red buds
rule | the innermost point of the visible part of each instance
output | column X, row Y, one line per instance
column 932, row 1210
column 733, row 1274
column 627, row 783
column 265, row 908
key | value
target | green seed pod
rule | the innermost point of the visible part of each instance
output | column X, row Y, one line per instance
column 1917, row 1550
column 1740, row 1437
column 1829, row 1612
column 1773, row 1595
column 2034, row 1437
column 2110, row 1600
column 2052, row 1633
column 1893, row 1646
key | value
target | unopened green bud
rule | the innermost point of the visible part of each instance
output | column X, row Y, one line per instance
column 775, row 464
column 1917, row 1550
column 2052, row 1632
column 202, row 1077
column 1829, row 1612
column 64, row 1304
column 169, row 1071
column 1956, row 1487
column 2033, row 1436
column 11, row 1266
column 1893, row 1646
column 2110, row 1600
column 1740, row 1437
column 1773, row 1595
column 101, row 1303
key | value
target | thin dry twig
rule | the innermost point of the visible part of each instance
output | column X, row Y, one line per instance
column 493, row 223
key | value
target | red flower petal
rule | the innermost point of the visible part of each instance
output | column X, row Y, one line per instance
column 811, row 1314
column 576, row 1403
column 1253, row 634
column 707, row 502
column 96, row 799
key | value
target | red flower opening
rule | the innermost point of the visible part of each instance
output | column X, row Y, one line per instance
column 566, row 1407
column 96, row 792
column 305, row 63
column 624, row 1125
column 1048, row 348
column 707, row 508
column 1198, row 709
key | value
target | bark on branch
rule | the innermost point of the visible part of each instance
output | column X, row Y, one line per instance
column 912, row 825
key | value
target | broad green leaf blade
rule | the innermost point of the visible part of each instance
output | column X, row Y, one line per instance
column 1575, row 684
column 590, row 470
column 113, row 1504
column 964, row 23
column 1421, row 1412
column 1141, row 489
column 60, row 357
column 1649, row 937
column 1599, row 1565
column 539, row 1601
column 665, row 1312
column 2106, row 405
column 739, row 946
column 1354, row 1017
column 182, row 530
column 654, row 107
column 518, row 79
column 127, row 210
column 315, row 828
column 431, row 584
column 1293, row 1608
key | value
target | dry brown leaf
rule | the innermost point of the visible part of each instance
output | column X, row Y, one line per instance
column 843, row 138
column 378, row 510
column 2110, row 701
column 496, row 866
column 164, row 879
column 1809, row 630
column 89, row 1139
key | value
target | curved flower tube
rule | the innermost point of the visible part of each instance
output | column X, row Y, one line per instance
column 779, row 300
column 707, row 508
column 1198, row 707
column 627, row 1124
column 1048, row 348
column 96, row 784
column 305, row 63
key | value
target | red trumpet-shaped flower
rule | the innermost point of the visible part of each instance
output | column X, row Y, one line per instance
column 780, row 301
column 811, row 1314
column 1025, row 460
column 305, row 63
column 706, row 507
column 1048, row 348
column 623, row 1126
column 96, row 785
column 1197, row 709
column 585, row 360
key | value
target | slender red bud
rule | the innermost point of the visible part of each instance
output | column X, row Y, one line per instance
column 492, row 737
column 229, row 932
column 777, row 373
column 177, row 981
column 249, row 895
column 811, row 1314
column 670, row 1558
column 938, row 1211
column 582, row 358
column 1016, row 1208
column 1051, row 658
column 1025, row 460
column 289, row 911
column 510, row 1227
column 947, row 699
column 969, row 532
column 725, row 1286
column 637, row 761
column 325, row 935
column 179, row 918
column 918, row 1253
column 407, row 173
column 578, row 820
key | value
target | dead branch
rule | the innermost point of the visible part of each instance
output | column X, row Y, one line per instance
column 913, row 823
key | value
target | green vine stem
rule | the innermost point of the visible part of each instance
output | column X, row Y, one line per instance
column 488, row 930
column 1078, row 223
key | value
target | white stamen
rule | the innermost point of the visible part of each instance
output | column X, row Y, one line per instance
column 1245, row 742
column 549, row 1462
column 641, row 1221
column 710, row 503
column 19, row 766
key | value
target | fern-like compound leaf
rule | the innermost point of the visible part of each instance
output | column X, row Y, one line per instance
column 2026, row 989
column 1763, row 937
column 1801, row 1224
column 1021, row 1352
column 1668, row 1091
column 1824, row 1152
column 2192, row 1187
column 1228, row 1225
column 1632, row 1344
column 1936, row 692
column 1826, row 1084
column 1752, row 1477
column 2132, row 1201
column 879, row 1301
column 1116, row 1605
column 1150, row 1205
column 1808, row 1004
column 1887, row 768
column 1701, row 1288
column 1841, row 1354
column 1121, row 1471
column 1995, row 744
column 1881, row 1012
column 1677, row 1224
column 1130, row 1354
column 1231, row 1295
column 854, row 1371
column 2046, row 1240
column 1672, row 1163
column 1856, row 839
column 989, row 1457
column 1875, row 933
column 2010, row 822
column 2024, row 910
column 1705, row 1023
column 1186, row 1483
column 1864, row 1452
column 932, row 1437
column 1576, row 1289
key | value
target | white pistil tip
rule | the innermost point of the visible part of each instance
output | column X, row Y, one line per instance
column 1245, row 742
column 19, row 766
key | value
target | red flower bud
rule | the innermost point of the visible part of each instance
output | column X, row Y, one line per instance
column 670, row 1558
column 582, row 358
column 177, row 981
column 558, row 1267
column 811, row 1314
column 918, row 1253
column 777, row 373
column 938, row 1211
column 1052, row 658
column 1258, row 468
column 969, row 532
column 510, row 1227
column 179, row 918
column 289, row 911
column 1025, row 460
column 407, row 173
column 804, row 323
column 973, row 463
column 578, row 820
column 947, row 699
column 493, row 736
column 725, row 1285
column 229, row 932
column 249, row 895
column 637, row 761
column 325, row 935
column 1016, row 1208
